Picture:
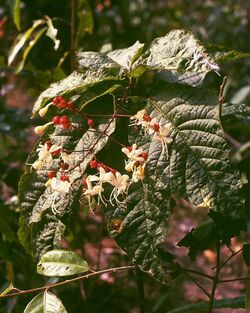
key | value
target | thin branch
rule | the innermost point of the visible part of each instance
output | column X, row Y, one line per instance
column 222, row 281
column 73, row 39
column 197, row 284
column 68, row 281
column 230, row 257
column 197, row 273
column 216, row 277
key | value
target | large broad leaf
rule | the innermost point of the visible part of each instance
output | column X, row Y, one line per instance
column 179, row 57
column 126, row 57
column 45, row 302
column 77, row 83
column 61, row 263
column 141, row 227
column 198, row 166
column 45, row 211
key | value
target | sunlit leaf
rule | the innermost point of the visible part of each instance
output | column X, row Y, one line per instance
column 21, row 41
column 61, row 263
column 178, row 57
column 27, row 50
column 45, row 302
column 52, row 32
column 16, row 14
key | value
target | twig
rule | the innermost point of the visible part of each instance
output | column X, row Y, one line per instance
column 230, row 257
column 198, row 284
column 222, row 281
column 216, row 277
column 197, row 273
column 73, row 41
column 68, row 281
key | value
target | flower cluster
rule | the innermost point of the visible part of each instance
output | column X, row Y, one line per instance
column 153, row 127
column 136, row 162
column 45, row 154
column 119, row 182
column 94, row 184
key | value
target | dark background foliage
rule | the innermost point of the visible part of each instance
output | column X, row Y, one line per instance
column 221, row 25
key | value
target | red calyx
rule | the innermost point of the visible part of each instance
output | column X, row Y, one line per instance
column 112, row 170
column 48, row 143
column 90, row 122
column 64, row 178
column 56, row 120
column 156, row 127
column 56, row 153
column 93, row 163
column 147, row 118
column 51, row 174
column 56, row 101
column 129, row 149
column 62, row 104
column 64, row 166
column 64, row 120
column 70, row 105
column 85, row 182
column 144, row 155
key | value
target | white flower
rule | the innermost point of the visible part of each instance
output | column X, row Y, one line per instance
column 59, row 185
column 133, row 153
column 139, row 115
column 40, row 129
column 138, row 173
column 44, row 157
column 42, row 112
column 59, row 188
column 162, row 136
column 120, row 184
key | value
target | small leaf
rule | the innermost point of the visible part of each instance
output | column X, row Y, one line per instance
column 16, row 14
column 45, row 302
column 7, row 290
column 61, row 263
column 52, row 32
column 31, row 44
column 21, row 40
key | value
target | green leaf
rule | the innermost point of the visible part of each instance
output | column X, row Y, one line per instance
column 198, row 167
column 52, row 32
column 96, row 60
column 126, row 57
column 16, row 14
column 31, row 44
column 75, row 84
column 61, row 263
column 239, row 111
column 45, row 302
column 45, row 211
column 141, row 227
column 7, row 290
column 21, row 41
column 179, row 57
